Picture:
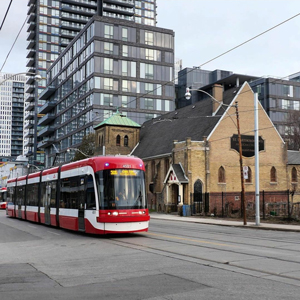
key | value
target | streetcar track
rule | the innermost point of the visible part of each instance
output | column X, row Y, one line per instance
column 242, row 243
column 252, row 237
column 208, row 262
column 236, row 252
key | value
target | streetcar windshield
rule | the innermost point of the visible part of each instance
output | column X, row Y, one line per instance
column 121, row 189
column 3, row 196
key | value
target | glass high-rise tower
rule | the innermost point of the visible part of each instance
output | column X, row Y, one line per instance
column 52, row 25
column 11, row 115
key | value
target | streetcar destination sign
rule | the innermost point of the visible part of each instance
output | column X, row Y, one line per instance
column 247, row 144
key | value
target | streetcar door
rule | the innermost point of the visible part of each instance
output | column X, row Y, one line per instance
column 81, row 204
column 19, row 215
column 20, row 199
column 47, row 204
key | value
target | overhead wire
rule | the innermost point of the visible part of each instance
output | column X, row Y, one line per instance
column 222, row 54
column 14, row 43
column 168, row 82
column 6, row 14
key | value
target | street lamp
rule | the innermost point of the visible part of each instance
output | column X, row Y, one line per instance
column 188, row 96
column 76, row 149
column 37, row 77
column 31, row 165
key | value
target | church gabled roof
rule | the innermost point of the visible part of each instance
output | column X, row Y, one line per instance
column 176, row 174
column 118, row 119
column 194, row 121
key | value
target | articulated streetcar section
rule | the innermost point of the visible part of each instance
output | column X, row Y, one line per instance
column 98, row 195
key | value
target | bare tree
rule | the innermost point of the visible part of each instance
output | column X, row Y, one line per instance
column 87, row 147
column 292, row 131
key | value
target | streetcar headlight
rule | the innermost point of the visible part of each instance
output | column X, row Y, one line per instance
column 140, row 212
column 109, row 213
column 115, row 213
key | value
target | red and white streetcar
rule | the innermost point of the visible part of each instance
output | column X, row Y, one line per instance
column 99, row 195
column 3, row 196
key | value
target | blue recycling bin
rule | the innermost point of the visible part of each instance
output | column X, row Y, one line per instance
column 186, row 210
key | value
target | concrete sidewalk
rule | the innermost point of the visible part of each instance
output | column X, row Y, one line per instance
column 222, row 222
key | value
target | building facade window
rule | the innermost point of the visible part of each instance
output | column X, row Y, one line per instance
column 124, row 34
column 108, row 48
column 221, row 175
column 108, row 31
column 249, row 179
column 126, row 141
column 294, row 175
column 273, row 175
column 108, row 65
column 118, row 140
column 198, row 191
column 149, row 38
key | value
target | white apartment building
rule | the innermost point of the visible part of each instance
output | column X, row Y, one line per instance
column 11, row 114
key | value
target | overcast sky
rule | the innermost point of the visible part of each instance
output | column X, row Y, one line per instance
column 204, row 29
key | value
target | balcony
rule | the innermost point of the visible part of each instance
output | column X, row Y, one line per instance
column 46, row 142
column 71, row 26
column 48, row 106
column 29, row 106
column 30, row 35
column 30, row 53
column 29, row 116
column 30, row 79
column 30, row 88
column 128, row 3
column 118, row 9
column 29, row 98
column 47, row 92
column 31, row 26
column 30, row 62
column 29, row 152
column 46, row 131
column 30, row 9
column 32, row 17
column 29, row 142
column 78, row 10
column 46, row 119
column 28, row 126
column 83, row 3
column 29, row 134
column 31, row 69
column 30, row 44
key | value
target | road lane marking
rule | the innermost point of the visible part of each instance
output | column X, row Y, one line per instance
column 53, row 232
column 32, row 226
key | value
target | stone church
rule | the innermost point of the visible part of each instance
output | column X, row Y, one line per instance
column 192, row 157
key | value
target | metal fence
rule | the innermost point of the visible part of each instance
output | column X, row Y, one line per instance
column 272, row 204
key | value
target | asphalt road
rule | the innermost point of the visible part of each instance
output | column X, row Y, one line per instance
column 174, row 260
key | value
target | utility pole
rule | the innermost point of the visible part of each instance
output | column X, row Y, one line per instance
column 256, row 150
column 241, row 164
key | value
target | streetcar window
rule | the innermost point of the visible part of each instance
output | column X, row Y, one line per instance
column 121, row 189
column 10, row 194
column 90, row 193
column 20, row 195
column 71, row 192
column 32, row 194
column 48, row 190
column 53, row 194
